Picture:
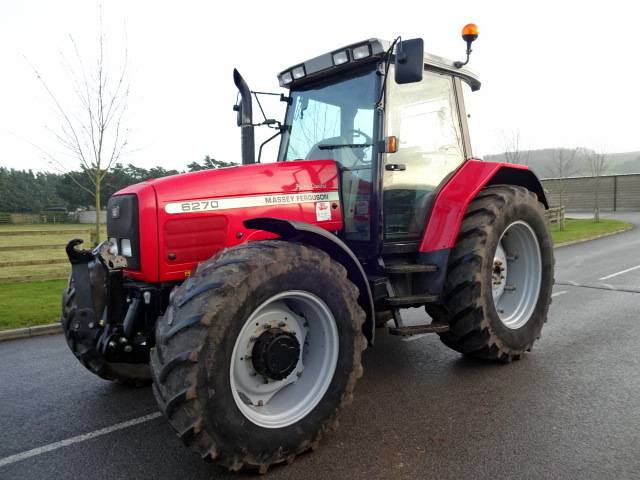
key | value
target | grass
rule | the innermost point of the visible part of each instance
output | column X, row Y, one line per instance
column 585, row 228
column 31, row 303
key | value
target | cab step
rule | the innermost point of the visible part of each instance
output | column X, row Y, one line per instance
column 419, row 329
column 409, row 268
column 410, row 300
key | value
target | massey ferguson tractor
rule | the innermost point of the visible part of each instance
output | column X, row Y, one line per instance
column 247, row 294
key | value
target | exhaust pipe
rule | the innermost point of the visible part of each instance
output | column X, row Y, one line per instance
column 245, row 119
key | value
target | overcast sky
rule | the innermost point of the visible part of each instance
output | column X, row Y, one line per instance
column 562, row 74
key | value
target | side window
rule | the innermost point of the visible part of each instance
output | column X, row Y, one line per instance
column 424, row 117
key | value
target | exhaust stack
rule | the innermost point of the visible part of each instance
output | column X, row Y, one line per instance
column 245, row 119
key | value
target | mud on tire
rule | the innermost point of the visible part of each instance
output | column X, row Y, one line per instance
column 82, row 344
column 197, row 334
column 467, row 302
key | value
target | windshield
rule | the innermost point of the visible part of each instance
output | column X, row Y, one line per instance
column 333, row 120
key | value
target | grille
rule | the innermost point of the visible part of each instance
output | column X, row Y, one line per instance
column 189, row 240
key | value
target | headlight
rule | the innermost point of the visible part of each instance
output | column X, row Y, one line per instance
column 125, row 245
column 298, row 72
column 340, row 57
column 362, row 51
column 113, row 248
column 286, row 78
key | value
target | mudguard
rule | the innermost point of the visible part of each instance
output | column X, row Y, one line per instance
column 324, row 240
column 454, row 197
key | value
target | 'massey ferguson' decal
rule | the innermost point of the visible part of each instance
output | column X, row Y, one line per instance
column 215, row 204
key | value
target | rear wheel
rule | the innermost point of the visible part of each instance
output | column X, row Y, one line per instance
column 258, row 352
column 82, row 339
column 500, row 275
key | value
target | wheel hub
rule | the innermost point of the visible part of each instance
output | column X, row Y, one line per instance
column 275, row 354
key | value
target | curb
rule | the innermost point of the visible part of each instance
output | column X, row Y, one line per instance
column 603, row 235
column 35, row 331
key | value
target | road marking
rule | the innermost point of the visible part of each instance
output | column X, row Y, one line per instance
column 557, row 294
column 80, row 438
column 619, row 273
column 599, row 286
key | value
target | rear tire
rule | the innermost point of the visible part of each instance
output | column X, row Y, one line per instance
column 194, row 362
column 83, row 346
column 493, row 311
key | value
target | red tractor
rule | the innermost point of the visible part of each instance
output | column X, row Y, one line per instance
column 247, row 294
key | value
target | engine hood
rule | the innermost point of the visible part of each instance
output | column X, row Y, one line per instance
column 197, row 214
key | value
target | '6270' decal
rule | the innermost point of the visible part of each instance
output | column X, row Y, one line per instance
column 199, row 205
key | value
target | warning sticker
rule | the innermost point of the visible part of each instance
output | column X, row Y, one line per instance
column 323, row 211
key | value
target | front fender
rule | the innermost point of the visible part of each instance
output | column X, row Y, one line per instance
column 324, row 240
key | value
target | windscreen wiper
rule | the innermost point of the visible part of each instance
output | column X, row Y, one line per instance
column 345, row 145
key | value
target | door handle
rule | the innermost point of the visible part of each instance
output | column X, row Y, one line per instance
column 395, row 167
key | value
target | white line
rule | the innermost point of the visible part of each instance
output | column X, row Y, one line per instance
column 619, row 273
column 80, row 438
column 557, row 294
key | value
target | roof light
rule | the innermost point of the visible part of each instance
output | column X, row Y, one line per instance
column 298, row 72
column 470, row 32
column 340, row 57
column 361, row 51
column 286, row 78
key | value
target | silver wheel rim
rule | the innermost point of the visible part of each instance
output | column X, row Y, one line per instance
column 516, row 275
column 279, row 403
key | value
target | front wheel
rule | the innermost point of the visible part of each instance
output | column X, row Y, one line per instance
column 258, row 352
column 500, row 276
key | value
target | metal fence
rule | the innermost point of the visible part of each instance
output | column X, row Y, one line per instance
column 614, row 192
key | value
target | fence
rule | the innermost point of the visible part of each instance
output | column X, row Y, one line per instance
column 556, row 215
column 615, row 192
column 11, row 251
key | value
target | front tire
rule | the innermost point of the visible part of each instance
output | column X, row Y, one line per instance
column 216, row 378
column 499, row 278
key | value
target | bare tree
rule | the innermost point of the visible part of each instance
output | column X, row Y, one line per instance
column 598, row 164
column 512, row 149
column 564, row 165
column 92, row 128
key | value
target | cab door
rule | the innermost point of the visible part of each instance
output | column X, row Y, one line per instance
column 425, row 117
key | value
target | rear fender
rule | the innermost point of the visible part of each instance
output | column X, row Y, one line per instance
column 324, row 240
column 454, row 197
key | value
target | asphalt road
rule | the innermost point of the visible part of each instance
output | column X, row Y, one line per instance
column 570, row 409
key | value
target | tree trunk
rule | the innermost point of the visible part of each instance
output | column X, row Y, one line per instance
column 96, row 233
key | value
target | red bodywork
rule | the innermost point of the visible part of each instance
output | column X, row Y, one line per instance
column 177, row 231
column 172, row 244
column 452, row 200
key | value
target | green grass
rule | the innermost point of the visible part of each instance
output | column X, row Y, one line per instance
column 32, row 303
column 584, row 228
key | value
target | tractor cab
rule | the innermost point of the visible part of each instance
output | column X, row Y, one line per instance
column 395, row 141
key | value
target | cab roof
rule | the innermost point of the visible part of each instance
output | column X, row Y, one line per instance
column 357, row 54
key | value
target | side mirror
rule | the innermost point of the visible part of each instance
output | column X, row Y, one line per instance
column 409, row 61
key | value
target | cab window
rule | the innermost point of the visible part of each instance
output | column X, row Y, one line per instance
column 424, row 117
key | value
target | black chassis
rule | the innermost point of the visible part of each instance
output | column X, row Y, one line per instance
column 117, row 312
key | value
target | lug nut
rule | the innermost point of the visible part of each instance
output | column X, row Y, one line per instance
column 122, row 340
column 128, row 348
column 112, row 344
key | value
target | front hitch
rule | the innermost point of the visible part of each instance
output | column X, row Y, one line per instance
column 102, row 314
